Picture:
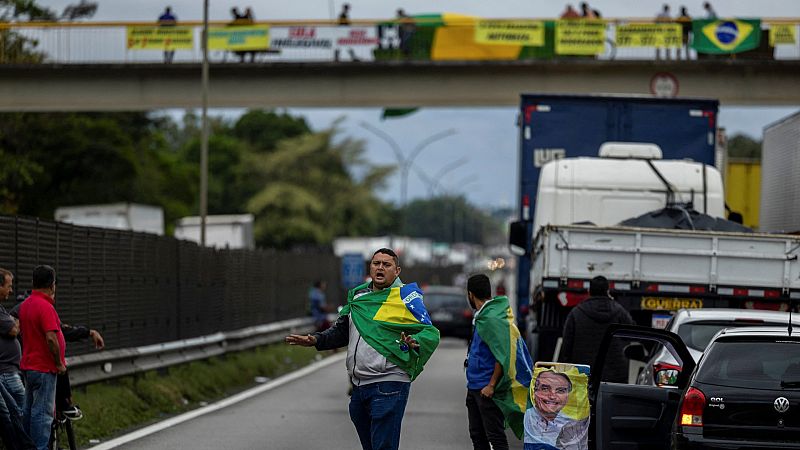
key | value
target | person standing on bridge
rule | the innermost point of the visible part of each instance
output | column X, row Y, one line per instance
column 389, row 338
column 585, row 327
column 167, row 19
column 498, row 369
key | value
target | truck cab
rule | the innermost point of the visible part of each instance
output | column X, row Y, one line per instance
column 624, row 181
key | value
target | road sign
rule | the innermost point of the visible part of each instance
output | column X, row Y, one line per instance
column 352, row 270
column 664, row 84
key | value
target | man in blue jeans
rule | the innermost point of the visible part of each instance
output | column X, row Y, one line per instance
column 42, row 355
column 380, row 387
column 12, row 391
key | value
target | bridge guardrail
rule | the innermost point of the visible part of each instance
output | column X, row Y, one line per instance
column 94, row 367
column 423, row 38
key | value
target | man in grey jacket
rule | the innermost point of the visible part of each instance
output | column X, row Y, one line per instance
column 380, row 388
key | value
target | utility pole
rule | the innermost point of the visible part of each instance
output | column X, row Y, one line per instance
column 204, row 132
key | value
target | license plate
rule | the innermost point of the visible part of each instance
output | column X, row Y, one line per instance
column 441, row 315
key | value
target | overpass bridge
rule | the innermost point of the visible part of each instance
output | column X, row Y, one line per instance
column 102, row 66
column 108, row 87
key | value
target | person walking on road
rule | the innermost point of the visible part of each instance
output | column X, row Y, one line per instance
column 585, row 327
column 389, row 338
column 42, row 354
column 493, row 382
column 318, row 306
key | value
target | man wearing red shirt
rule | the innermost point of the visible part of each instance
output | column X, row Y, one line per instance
column 42, row 354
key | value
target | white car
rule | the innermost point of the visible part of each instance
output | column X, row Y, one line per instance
column 696, row 327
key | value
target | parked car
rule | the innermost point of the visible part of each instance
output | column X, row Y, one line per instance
column 744, row 394
column 696, row 327
column 449, row 310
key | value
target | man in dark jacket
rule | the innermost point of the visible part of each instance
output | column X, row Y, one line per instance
column 585, row 327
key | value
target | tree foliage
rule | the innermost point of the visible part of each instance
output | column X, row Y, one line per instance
column 59, row 159
column 309, row 193
column 19, row 49
column 449, row 219
column 743, row 146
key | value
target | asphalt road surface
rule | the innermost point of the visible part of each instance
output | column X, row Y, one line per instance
column 311, row 413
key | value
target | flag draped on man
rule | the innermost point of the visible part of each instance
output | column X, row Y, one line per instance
column 380, row 317
column 496, row 327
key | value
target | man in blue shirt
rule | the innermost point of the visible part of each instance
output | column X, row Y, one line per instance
column 486, row 420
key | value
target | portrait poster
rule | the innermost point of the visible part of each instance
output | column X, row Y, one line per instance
column 557, row 416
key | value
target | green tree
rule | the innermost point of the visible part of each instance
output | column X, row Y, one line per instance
column 744, row 146
column 309, row 194
column 19, row 49
column 449, row 219
column 59, row 159
column 230, row 148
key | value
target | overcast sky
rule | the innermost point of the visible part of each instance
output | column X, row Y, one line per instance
column 485, row 137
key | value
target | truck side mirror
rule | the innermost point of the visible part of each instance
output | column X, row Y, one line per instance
column 518, row 237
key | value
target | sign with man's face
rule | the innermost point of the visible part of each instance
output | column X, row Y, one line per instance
column 558, row 406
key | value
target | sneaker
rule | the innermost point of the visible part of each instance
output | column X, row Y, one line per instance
column 73, row 413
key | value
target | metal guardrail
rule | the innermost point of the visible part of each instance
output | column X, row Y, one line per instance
column 94, row 367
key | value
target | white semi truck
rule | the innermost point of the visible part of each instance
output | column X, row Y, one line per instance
column 653, row 271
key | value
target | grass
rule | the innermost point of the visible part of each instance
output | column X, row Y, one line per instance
column 113, row 407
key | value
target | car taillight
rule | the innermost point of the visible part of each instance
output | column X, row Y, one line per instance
column 694, row 401
column 467, row 313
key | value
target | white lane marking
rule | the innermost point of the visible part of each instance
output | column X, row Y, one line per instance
column 155, row 428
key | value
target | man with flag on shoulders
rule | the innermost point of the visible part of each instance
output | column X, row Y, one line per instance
column 389, row 338
column 498, row 368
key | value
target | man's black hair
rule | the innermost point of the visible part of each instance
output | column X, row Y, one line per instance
column 598, row 286
column 5, row 274
column 318, row 284
column 390, row 252
column 43, row 277
column 561, row 374
column 480, row 286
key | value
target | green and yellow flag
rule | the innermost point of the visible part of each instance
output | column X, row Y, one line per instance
column 495, row 324
column 380, row 317
column 726, row 36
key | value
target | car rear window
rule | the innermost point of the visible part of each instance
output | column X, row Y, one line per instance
column 697, row 335
column 445, row 300
column 751, row 364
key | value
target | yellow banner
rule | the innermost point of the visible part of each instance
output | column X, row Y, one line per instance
column 580, row 37
column 160, row 38
column 662, row 35
column 255, row 37
column 782, row 33
column 510, row 32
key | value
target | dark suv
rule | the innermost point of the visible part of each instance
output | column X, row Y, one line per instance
column 743, row 394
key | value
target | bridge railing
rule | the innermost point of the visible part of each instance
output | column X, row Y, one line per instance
column 428, row 38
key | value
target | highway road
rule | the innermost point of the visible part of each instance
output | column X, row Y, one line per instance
column 311, row 412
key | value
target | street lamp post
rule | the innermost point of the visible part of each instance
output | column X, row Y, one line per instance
column 204, row 132
column 405, row 162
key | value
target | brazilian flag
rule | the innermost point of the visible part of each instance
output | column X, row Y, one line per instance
column 495, row 324
column 451, row 37
column 726, row 36
column 380, row 317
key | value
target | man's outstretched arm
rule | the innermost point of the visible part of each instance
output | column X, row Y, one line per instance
column 334, row 337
